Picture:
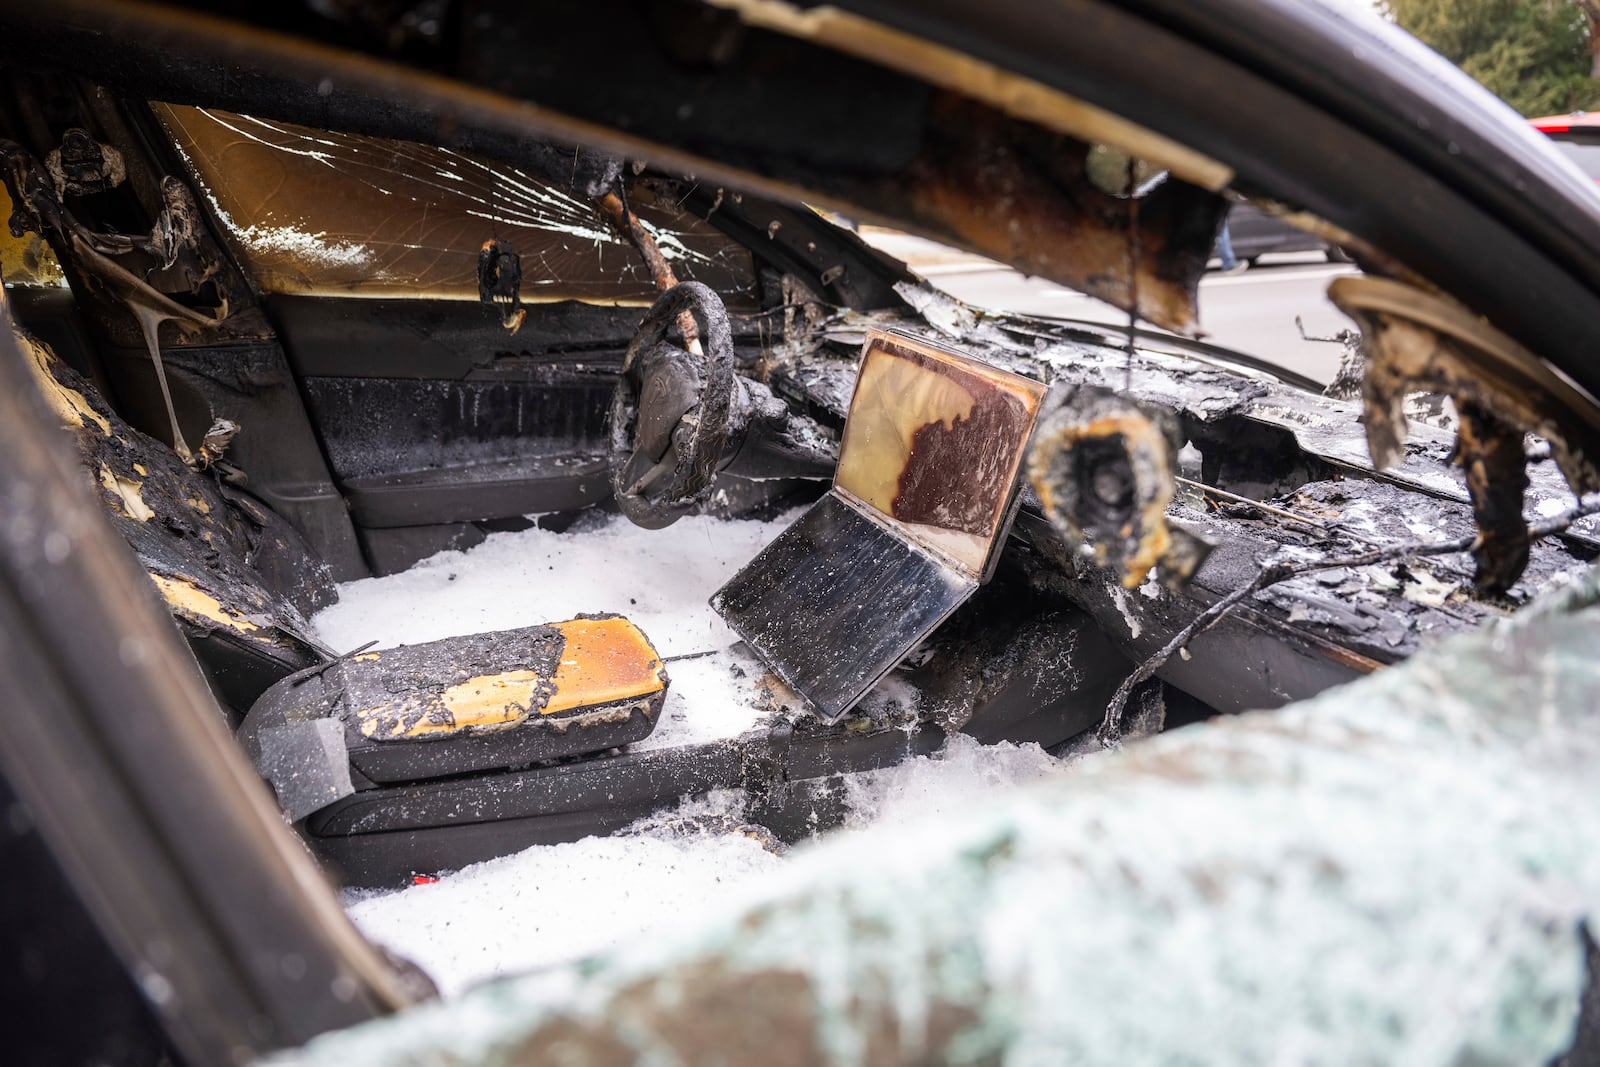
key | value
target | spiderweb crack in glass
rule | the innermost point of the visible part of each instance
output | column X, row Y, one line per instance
column 335, row 213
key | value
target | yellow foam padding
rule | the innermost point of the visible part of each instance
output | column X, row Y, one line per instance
column 604, row 661
column 186, row 598
column 487, row 700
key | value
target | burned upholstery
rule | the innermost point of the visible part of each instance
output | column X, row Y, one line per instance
column 482, row 702
column 237, row 578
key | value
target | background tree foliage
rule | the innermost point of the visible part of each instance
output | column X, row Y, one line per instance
column 1538, row 55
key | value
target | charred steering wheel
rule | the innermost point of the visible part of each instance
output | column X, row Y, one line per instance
column 670, row 410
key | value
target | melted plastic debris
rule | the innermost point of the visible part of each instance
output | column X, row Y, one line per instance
column 660, row 579
column 554, row 903
column 1395, row 872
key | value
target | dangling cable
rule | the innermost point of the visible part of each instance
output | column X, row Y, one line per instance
column 1133, row 273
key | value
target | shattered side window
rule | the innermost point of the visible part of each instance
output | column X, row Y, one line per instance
column 25, row 260
column 337, row 214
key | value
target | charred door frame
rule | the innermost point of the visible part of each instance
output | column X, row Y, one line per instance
column 125, row 763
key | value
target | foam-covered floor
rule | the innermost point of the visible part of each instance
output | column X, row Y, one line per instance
column 555, row 903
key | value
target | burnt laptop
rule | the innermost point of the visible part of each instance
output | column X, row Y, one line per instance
column 921, row 503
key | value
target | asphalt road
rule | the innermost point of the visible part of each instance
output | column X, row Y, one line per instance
column 1252, row 312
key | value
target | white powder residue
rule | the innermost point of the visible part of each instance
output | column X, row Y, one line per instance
column 288, row 240
column 660, row 579
column 551, row 904
column 893, row 696
column 962, row 777
column 1551, row 506
column 305, row 247
column 556, row 903
column 1120, row 599
column 710, row 698
column 1421, row 530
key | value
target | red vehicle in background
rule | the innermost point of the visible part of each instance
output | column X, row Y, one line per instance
column 1577, row 135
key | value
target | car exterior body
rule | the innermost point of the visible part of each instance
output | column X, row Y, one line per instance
column 1576, row 135
column 386, row 410
column 1255, row 233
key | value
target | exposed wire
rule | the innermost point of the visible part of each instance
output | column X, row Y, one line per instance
column 1275, row 571
column 1235, row 498
column 1133, row 274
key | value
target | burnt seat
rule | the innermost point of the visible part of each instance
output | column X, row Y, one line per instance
column 240, row 582
column 462, row 705
column 237, row 578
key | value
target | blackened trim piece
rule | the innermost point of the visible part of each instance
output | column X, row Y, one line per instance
column 252, row 385
column 491, row 490
column 239, row 668
column 306, row 765
column 1497, row 476
column 833, row 261
column 595, row 785
column 332, row 337
column 397, row 548
column 1249, row 660
column 138, row 790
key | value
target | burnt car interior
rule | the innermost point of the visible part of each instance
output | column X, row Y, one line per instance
column 311, row 315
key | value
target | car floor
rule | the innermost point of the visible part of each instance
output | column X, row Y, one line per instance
column 555, row 903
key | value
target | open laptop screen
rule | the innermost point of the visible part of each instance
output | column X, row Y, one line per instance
column 933, row 444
